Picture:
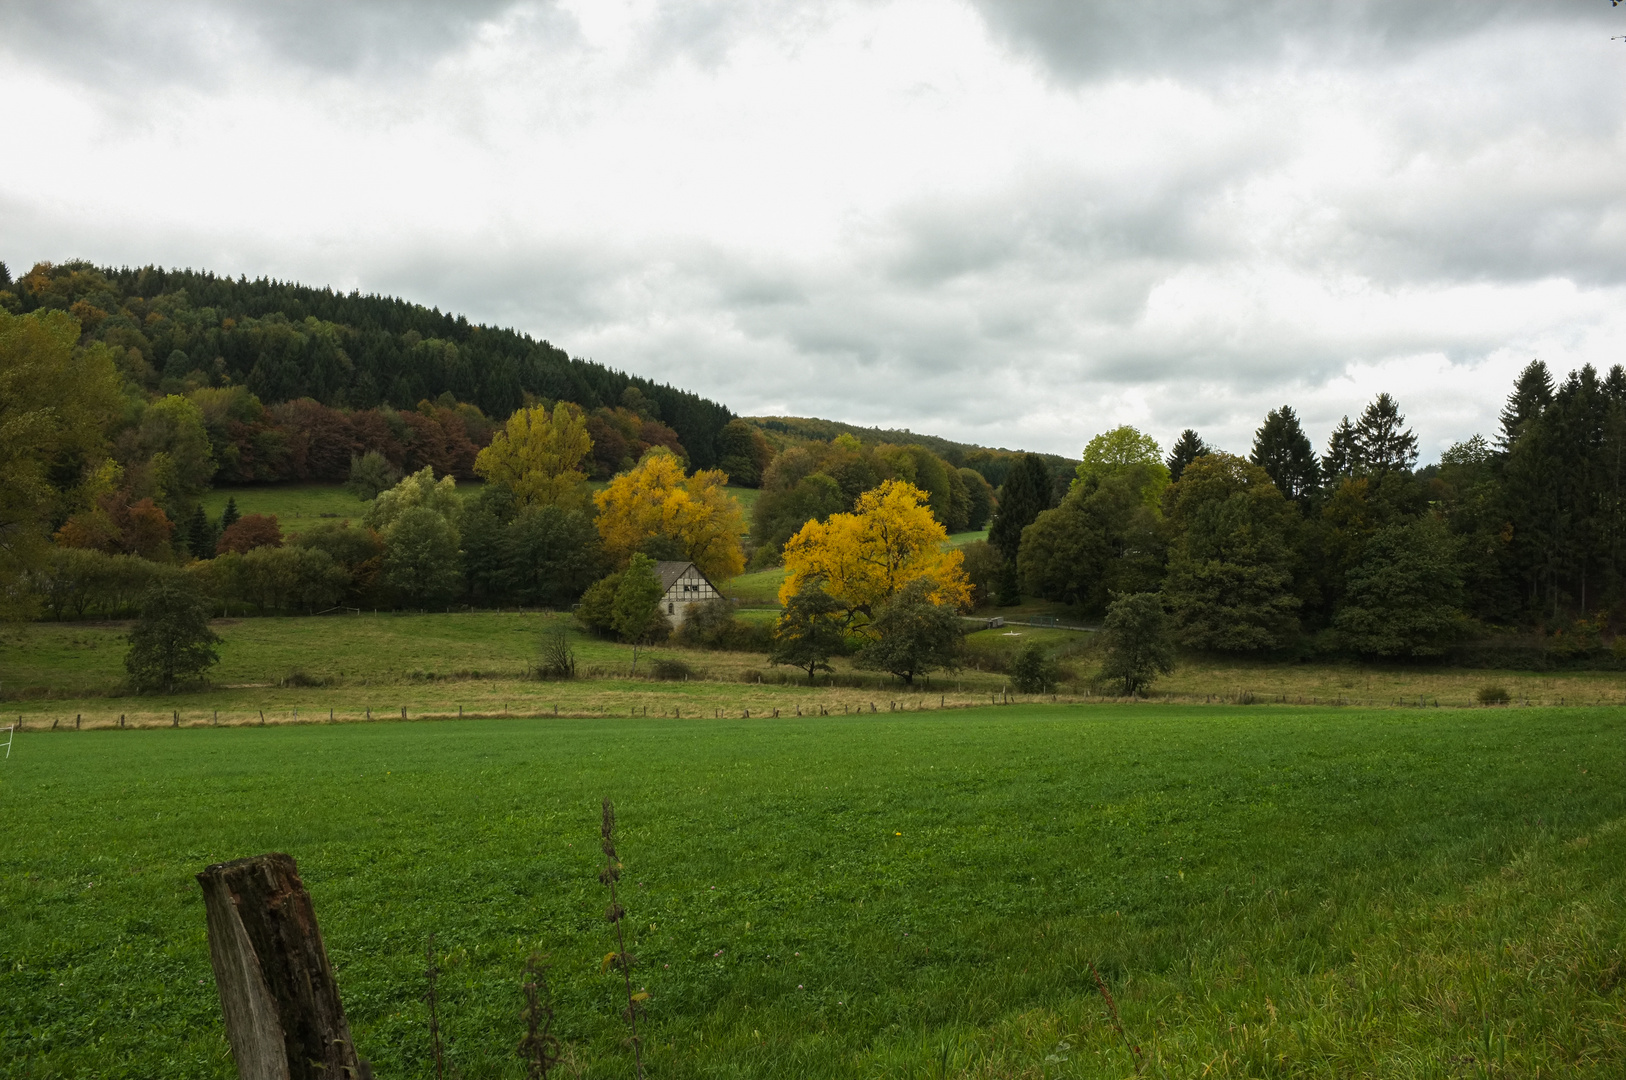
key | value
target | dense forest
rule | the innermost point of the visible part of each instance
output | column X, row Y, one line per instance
column 176, row 331
column 1355, row 550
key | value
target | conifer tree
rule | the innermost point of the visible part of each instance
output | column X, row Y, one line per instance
column 1339, row 460
column 1187, row 448
column 1281, row 448
column 1532, row 393
column 229, row 516
column 1382, row 441
column 1025, row 496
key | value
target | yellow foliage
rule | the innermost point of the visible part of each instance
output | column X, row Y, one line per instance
column 656, row 499
column 864, row 557
column 536, row 456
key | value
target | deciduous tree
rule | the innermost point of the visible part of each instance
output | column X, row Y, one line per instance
column 913, row 633
column 1231, row 562
column 809, row 631
column 171, row 642
column 1137, row 643
column 538, row 456
column 656, row 499
column 864, row 558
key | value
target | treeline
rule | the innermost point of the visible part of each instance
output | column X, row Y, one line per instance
column 812, row 480
column 1353, row 550
column 175, row 331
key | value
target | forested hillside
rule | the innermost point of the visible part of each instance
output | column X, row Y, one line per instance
column 178, row 330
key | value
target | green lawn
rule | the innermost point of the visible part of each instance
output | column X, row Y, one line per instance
column 1268, row 893
column 759, row 589
column 296, row 506
column 964, row 538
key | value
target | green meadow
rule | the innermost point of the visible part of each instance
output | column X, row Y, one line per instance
column 1266, row 892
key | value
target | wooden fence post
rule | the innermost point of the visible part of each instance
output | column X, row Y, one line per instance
column 283, row 1016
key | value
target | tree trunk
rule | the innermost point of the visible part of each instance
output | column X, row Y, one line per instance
column 283, row 1015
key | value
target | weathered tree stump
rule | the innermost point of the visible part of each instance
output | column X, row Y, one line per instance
column 283, row 1015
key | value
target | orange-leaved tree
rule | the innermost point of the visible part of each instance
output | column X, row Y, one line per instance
column 863, row 558
column 655, row 505
column 538, row 456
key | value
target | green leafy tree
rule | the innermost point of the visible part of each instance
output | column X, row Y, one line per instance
column 1187, row 448
column 983, row 565
column 1404, row 597
column 1230, row 579
column 171, row 459
column 913, row 635
column 1281, row 448
column 596, row 612
column 1122, row 448
column 422, row 561
column 743, row 453
column 550, row 555
column 809, row 631
column 1103, row 539
column 171, row 642
column 979, row 498
column 55, row 402
column 636, row 612
column 1035, row 670
column 371, row 473
column 1137, row 642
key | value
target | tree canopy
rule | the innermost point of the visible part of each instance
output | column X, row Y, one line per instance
column 658, row 504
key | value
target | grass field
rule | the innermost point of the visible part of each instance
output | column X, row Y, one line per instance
column 1290, row 892
column 479, row 662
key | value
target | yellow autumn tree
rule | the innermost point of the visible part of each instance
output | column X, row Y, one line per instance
column 862, row 558
column 537, row 456
column 655, row 501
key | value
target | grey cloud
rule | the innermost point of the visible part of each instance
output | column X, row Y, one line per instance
column 1106, row 38
column 125, row 44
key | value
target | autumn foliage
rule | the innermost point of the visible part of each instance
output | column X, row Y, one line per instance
column 249, row 532
column 863, row 558
column 657, row 503
column 538, row 456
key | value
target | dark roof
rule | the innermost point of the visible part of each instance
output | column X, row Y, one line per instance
column 670, row 571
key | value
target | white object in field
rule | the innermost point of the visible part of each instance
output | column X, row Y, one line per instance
column 11, row 733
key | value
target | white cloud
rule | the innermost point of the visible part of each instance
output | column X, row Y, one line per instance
column 1016, row 225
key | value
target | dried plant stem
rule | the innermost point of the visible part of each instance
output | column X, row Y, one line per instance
column 1112, row 1008
column 539, row 1049
column 609, row 876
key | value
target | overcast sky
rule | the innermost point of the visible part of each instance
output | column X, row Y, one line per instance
column 1015, row 223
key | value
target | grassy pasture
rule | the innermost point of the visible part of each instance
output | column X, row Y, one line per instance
column 1287, row 892
column 477, row 662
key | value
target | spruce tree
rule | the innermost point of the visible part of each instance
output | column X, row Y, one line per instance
column 1188, row 448
column 1532, row 393
column 1382, row 442
column 1025, row 496
column 200, row 535
column 1281, row 448
column 5, row 276
column 229, row 516
column 1339, row 461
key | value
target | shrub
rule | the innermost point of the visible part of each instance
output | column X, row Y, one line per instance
column 1491, row 694
column 674, row 669
column 249, row 532
column 713, row 625
column 558, row 659
column 1035, row 672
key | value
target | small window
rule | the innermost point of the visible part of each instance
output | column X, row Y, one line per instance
column 671, row 608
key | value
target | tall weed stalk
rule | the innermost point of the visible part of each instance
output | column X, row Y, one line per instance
column 621, row 958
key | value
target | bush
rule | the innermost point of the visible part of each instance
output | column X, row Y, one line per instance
column 1035, row 672
column 249, row 532
column 558, row 660
column 713, row 625
column 673, row 669
column 1492, row 694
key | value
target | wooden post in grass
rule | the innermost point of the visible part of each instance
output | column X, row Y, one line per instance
column 283, row 1016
